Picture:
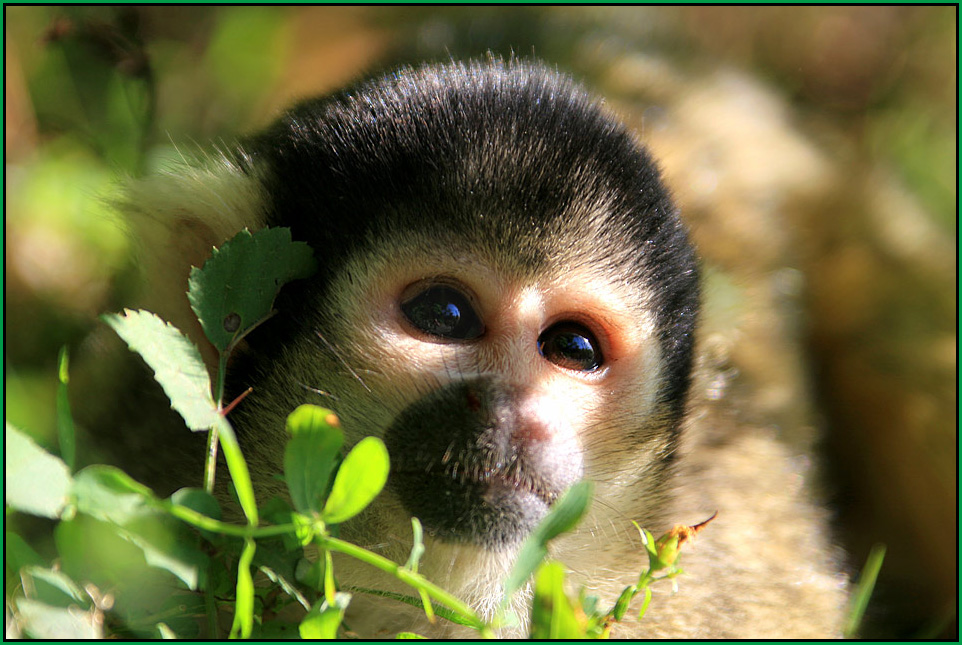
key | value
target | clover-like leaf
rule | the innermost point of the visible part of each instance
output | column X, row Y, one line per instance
column 324, row 619
column 34, row 481
column 552, row 614
column 176, row 363
column 358, row 481
column 236, row 287
column 310, row 455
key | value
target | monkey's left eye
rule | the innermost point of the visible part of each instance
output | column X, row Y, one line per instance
column 571, row 346
column 443, row 311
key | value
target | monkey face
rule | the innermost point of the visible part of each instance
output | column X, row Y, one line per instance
column 506, row 296
column 495, row 384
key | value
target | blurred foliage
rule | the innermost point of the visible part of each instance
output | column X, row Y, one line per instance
column 95, row 94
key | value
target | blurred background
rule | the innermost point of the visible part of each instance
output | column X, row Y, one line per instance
column 813, row 151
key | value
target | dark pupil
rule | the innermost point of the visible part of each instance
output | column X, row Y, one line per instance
column 570, row 346
column 443, row 311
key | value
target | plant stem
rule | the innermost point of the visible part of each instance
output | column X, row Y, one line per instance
column 406, row 576
column 201, row 521
column 210, row 466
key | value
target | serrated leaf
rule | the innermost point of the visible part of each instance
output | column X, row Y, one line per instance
column 54, row 588
column 324, row 619
column 42, row 621
column 360, row 478
column 35, row 481
column 237, row 285
column 563, row 516
column 286, row 585
column 176, row 363
column 310, row 454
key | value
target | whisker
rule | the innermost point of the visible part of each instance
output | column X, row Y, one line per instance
column 337, row 355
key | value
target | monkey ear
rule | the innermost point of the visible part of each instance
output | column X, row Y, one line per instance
column 176, row 218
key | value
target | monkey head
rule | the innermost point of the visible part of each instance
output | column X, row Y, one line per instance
column 506, row 296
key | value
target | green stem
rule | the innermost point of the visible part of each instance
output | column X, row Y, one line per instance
column 210, row 604
column 408, row 577
column 201, row 521
column 210, row 466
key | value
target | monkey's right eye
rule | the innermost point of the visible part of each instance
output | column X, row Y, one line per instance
column 443, row 311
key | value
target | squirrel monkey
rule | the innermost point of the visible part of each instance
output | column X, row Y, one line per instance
column 508, row 297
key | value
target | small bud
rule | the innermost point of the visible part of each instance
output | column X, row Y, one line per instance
column 668, row 546
column 621, row 607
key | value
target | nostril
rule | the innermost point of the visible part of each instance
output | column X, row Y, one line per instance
column 530, row 430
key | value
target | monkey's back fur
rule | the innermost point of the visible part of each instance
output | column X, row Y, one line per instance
column 509, row 185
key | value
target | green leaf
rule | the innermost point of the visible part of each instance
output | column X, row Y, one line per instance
column 286, row 585
column 169, row 546
column 236, row 287
column 310, row 454
column 552, row 615
column 54, row 588
column 93, row 551
column 565, row 513
column 563, row 516
column 108, row 493
column 66, row 432
column 359, row 479
column 409, row 636
column 237, row 466
column 18, row 554
column 644, row 603
column 176, row 363
column 324, row 619
column 165, row 633
column 244, row 603
column 41, row 621
column 34, row 481
column 863, row 590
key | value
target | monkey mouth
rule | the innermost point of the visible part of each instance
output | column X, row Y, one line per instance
column 492, row 508
column 508, row 480
column 462, row 464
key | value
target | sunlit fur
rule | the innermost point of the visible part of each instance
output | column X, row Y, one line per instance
column 515, row 184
